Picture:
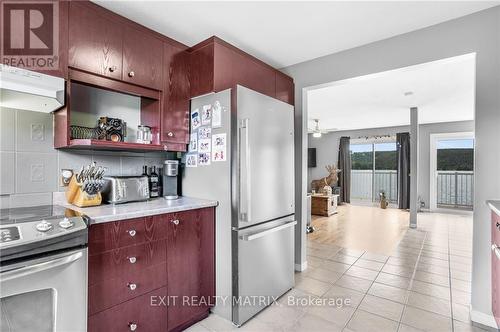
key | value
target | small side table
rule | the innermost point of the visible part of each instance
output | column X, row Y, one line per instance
column 324, row 205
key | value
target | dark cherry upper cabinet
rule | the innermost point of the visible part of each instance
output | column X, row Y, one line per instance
column 142, row 58
column 217, row 65
column 95, row 41
column 176, row 95
column 285, row 89
column 190, row 261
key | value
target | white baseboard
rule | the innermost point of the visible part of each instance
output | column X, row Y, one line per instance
column 301, row 267
column 482, row 318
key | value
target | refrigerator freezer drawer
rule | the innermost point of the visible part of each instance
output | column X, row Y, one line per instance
column 265, row 268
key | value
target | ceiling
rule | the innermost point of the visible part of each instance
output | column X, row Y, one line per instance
column 283, row 33
column 442, row 90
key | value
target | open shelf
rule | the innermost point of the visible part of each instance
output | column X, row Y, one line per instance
column 113, row 146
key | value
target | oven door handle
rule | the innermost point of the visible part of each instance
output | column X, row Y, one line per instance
column 39, row 267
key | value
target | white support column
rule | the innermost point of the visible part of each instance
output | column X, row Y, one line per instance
column 413, row 166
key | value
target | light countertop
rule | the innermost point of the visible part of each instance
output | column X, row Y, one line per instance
column 494, row 206
column 109, row 212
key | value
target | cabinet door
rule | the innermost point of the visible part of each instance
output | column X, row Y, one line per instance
column 95, row 42
column 190, row 261
column 233, row 67
column 176, row 93
column 285, row 88
column 202, row 70
column 142, row 58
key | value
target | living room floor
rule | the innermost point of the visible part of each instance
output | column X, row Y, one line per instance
column 422, row 284
column 361, row 227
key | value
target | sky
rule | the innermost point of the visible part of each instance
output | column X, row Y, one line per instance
column 442, row 144
column 456, row 144
column 378, row 147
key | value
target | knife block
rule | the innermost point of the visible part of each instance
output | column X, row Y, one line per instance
column 76, row 196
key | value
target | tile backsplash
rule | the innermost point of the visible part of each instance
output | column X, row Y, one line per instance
column 30, row 166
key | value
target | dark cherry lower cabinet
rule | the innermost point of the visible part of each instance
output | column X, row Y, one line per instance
column 153, row 273
column 190, row 259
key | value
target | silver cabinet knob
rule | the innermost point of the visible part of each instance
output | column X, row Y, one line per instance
column 131, row 286
column 112, row 69
column 132, row 260
column 175, row 222
column 170, row 134
column 132, row 232
column 132, row 326
column 496, row 249
column 131, row 74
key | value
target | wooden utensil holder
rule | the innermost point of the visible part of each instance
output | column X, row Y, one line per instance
column 76, row 196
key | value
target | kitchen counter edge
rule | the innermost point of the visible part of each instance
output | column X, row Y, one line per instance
column 114, row 212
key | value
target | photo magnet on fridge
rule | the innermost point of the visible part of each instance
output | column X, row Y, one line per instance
column 206, row 115
column 195, row 119
column 219, row 147
column 217, row 115
column 204, row 145
column 204, row 159
column 192, row 160
column 204, row 132
column 193, row 142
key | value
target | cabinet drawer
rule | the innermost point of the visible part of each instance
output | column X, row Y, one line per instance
column 126, row 261
column 146, row 312
column 119, row 234
column 110, row 292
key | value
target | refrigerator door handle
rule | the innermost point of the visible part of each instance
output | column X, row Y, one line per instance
column 245, row 187
column 253, row 236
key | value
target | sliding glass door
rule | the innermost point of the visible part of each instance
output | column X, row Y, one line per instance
column 385, row 171
column 361, row 171
column 374, row 170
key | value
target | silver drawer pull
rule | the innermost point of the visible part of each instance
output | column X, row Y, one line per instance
column 132, row 326
column 131, row 286
column 132, row 260
column 175, row 222
column 496, row 249
column 132, row 232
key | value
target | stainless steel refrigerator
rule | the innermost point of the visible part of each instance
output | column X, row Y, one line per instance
column 251, row 173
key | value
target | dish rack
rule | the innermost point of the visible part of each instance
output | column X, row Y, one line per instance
column 81, row 132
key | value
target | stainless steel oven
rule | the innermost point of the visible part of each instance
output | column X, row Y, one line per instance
column 43, row 270
column 45, row 294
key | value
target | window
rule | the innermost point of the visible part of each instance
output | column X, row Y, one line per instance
column 455, row 155
column 386, row 156
column 362, row 156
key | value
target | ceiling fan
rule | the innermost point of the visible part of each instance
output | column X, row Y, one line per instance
column 317, row 132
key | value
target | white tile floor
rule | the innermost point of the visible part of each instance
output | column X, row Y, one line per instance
column 424, row 285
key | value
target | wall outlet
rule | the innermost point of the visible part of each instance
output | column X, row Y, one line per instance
column 66, row 175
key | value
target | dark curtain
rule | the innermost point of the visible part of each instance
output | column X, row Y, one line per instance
column 345, row 166
column 403, row 146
